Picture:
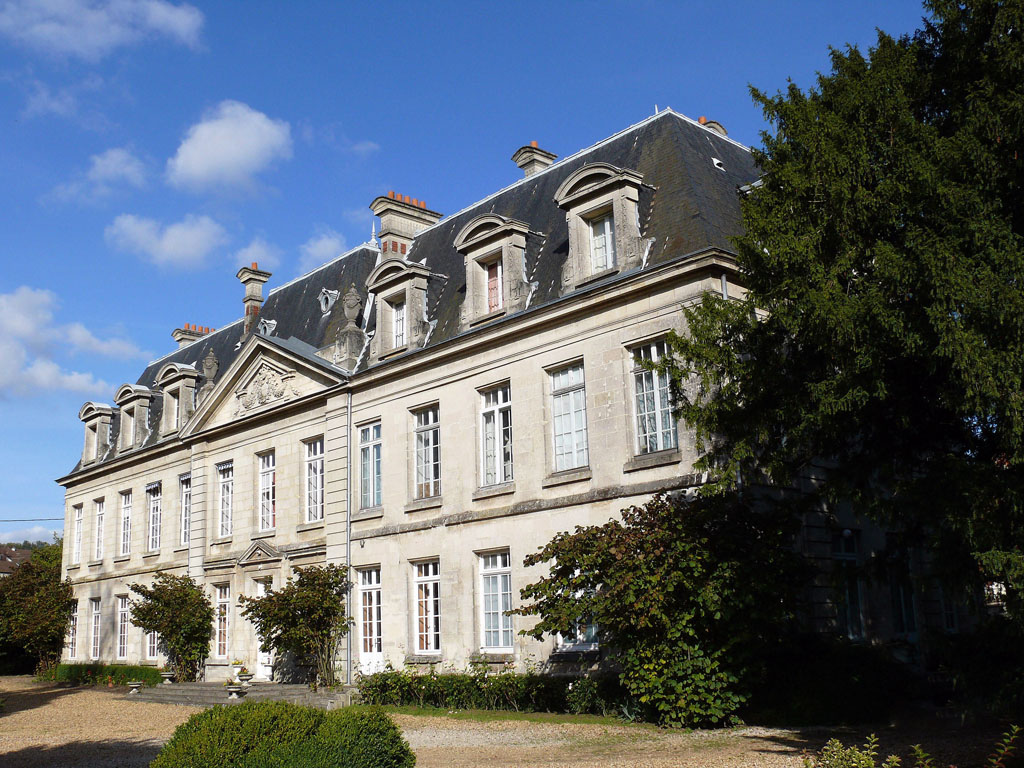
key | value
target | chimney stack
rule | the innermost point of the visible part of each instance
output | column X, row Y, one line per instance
column 253, row 279
column 714, row 125
column 189, row 333
column 401, row 219
column 532, row 158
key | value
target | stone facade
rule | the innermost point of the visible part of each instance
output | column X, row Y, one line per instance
column 428, row 440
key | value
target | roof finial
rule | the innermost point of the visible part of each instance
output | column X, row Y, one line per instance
column 373, row 231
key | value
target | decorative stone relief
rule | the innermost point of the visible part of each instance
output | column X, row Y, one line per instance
column 265, row 387
column 210, row 368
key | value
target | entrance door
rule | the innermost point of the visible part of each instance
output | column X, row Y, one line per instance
column 371, row 657
column 264, row 659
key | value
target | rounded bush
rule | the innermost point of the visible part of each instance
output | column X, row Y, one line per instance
column 273, row 734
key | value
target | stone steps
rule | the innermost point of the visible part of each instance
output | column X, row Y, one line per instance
column 210, row 694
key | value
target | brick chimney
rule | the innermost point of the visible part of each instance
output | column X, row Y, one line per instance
column 401, row 218
column 253, row 279
column 713, row 125
column 532, row 158
column 189, row 333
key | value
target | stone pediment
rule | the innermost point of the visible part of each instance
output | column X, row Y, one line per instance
column 260, row 552
column 262, row 378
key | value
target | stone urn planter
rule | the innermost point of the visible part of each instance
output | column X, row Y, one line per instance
column 168, row 677
column 134, row 685
column 245, row 677
column 235, row 691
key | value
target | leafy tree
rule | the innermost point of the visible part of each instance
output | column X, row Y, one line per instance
column 35, row 606
column 881, row 338
column 179, row 611
column 687, row 595
column 305, row 617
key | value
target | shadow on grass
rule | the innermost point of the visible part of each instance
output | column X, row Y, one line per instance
column 83, row 754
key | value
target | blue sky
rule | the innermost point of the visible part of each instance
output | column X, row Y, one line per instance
column 149, row 147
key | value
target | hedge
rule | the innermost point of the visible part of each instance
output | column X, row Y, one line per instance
column 88, row 674
column 275, row 734
column 503, row 691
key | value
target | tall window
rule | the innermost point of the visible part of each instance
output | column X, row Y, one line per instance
column 185, row 492
column 496, row 589
column 370, row 619
column 73, row 631
column 428, row 452
column 122, row 627
column 152, row 645
column 76, row 550
column 127, row 427
column 223, row 619
column 268, row 492
column 98, row 543
column 369, row 466
column 494, row 288
column 398, row 323
column 569, row 407
column 226, row 490
column 153, row 499
column 845, row 554
column 655, row 425
column 428, row 607
column 496, row 435
column 175, row 410
column 602, row 242
column 94, row 651
column 315, row 480
column 126, row 523
column 582, row 638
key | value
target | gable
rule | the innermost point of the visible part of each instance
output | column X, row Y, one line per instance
column 262, row 379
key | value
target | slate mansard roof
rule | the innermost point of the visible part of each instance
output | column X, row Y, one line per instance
column 688, row 203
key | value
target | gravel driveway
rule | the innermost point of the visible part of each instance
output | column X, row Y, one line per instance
column 44, row 726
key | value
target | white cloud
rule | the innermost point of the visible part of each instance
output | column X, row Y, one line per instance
column 31, row 341
column 91, row 29
column 320, row 249
column 267, row 255
column 32, row 533
column 65, row 102
column 228, row 147
column 186, row 243
column 43, row 101
column 364, row 148
column 115, row 167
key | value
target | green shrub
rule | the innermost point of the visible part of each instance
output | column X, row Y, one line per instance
column 835, row 755
column 503, row 691
column 274, row 734
column 88, row 674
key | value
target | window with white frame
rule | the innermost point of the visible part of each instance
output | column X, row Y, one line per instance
column 185, row 511
column 223, row 619
column 175, row 408
column 495, row 290
column 154, row 502
column 268, row 491
column 428, row 452
column 122, row 627
column 602, row 242
column 94, row 651
column 152, row 645
column 582, row 638
column 496, row 436
column 370, row 466
column 315, row 480
column 225, row 494
column 569, row 409
column 398, row 323
column 496, row 600
column 73, row 631
column 126, row 523
column 370, row 610
column 99, row 506
column 76, row 549
column 428, row 607
column 655, row 424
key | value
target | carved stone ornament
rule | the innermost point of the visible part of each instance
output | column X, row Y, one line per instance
column 265, row 387
column 210, row 368
column 351, row 304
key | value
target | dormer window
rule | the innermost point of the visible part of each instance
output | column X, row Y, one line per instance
column 600, row 202
column 96, row 418
column 127, row 428
column 400, row 289
column 602, row 242
column 266, row 327
column 398, row 323
column 327, row 298
column 178, row 382
column 494, row 252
